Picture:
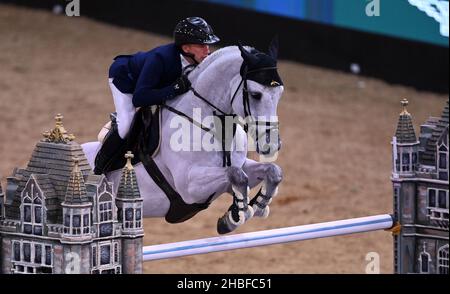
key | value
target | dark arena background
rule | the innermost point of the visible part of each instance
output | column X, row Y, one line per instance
column 400, row 45
column 346, row 65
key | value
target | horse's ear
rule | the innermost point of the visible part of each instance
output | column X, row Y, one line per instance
column 273, row 48
column 247, row 56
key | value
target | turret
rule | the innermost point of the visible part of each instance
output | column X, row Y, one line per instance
column 2, row 203
column 76, row 207
column 129, row 213
column 404, row 146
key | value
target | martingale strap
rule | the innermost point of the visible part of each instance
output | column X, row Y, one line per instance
column 194, row 122
column 226, row 154
column 206, row 101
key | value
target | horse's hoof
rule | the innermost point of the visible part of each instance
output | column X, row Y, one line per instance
column 249, row 213
column 222, row 226
column 262, row 213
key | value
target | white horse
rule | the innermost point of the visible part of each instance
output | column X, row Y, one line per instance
column 224, row 79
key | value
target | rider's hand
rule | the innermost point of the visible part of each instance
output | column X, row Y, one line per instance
column 181, row 85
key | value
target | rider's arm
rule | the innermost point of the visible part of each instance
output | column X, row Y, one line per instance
column 146, row 93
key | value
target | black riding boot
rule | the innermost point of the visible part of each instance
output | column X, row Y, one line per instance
column 112, row 145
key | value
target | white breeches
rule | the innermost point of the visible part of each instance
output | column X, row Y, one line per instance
column 124, row 108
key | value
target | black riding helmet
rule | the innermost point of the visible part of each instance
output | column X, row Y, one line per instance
column 194, row 30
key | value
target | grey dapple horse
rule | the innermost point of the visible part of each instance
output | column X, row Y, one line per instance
column 196, row 175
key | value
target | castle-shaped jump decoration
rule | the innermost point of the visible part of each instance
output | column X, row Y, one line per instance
column 56, row 216
column 420, row 180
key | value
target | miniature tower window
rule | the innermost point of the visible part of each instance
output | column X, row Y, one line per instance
column 76, row 206
column 443, row 260
column 105, row 208
column 443, row 199
column 32, row 211
column 406, row 163
column 424, row 260
column 31, row 257
column 106, row 257
column 116, row 252
column 437, row 204
column 129, row 201
column 94, row 255
column 86, row 223
column 105, row 212
column 2, row 197
column 105, row 254
column 27, row 252
column 442, row 161
column 432, row 198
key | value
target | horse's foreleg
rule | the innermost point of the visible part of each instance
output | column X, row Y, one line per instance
column 271, row 175
column 239, row 211
column 201, row 182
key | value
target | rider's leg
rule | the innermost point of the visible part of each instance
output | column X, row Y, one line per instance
column 120, row 126
column 271, row 175
column 124, row 108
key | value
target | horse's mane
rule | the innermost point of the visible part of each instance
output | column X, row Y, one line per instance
column 216, row 55
column 210, row 59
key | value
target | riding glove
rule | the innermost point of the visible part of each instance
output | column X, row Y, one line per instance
column 181, row 85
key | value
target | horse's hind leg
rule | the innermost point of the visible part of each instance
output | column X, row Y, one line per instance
column 239, row 211
column 271, row 175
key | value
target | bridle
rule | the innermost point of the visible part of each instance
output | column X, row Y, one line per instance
column 222, row 114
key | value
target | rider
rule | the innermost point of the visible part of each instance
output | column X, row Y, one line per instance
column 150, row 78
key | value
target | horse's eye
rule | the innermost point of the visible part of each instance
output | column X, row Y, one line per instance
column 256, row 95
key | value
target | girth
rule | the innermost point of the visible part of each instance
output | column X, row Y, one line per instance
column 179, row 211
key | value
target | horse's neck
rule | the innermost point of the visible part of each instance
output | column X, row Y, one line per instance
column 213, row 84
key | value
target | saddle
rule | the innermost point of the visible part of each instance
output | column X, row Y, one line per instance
column 144, row 134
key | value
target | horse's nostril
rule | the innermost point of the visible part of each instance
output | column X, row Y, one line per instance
column 266, row 151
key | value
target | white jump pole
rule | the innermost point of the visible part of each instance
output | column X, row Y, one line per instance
column 268, row 237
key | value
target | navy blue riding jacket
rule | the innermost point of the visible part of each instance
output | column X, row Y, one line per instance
column 148, row 75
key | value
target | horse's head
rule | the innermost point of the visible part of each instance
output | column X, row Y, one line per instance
column 257, row 102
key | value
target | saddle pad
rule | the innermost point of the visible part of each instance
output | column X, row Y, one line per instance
column 150, row 130
column 144, row 136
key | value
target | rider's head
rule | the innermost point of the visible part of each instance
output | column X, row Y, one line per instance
column 194, row 35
